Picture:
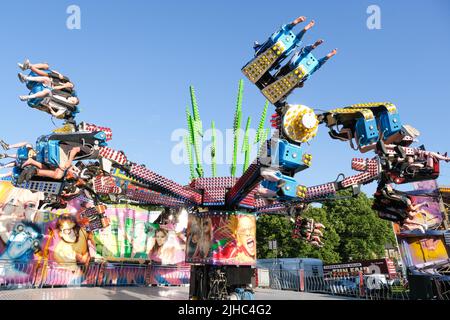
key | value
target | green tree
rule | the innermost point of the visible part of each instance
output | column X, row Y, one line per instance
column 353, row 230
column 275, row 227
column 362, row 233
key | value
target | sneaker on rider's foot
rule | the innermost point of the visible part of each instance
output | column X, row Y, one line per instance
column 24, row 66
column 22, row 77
column 23, row 98
column 4, row 145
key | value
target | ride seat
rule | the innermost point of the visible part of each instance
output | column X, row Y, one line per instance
column 58, row 101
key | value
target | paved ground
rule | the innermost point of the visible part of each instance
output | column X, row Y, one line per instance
column 144, row 293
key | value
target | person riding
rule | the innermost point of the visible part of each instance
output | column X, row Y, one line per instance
column 43, row 70
column 58, row 166
column 24, row 152
column 300, row 55
column 49, row 86
column 283, row 30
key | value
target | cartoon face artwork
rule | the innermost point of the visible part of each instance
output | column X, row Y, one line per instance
column 222, row 239
column 24, row 241
column 206, row 225
column 193, row 236
column 71, row 245
column 424, row 214
column 206, row 237
column 237, row 240
column 424, row 250
column 68, row 229
column 159, row 242
column 20, row 210
column 245, row 235
column 16, row 205
column 161, row 238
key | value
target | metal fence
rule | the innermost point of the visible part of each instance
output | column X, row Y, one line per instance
column 42, row 274
column 442, row 289
column 285, row 279
column 359, row 286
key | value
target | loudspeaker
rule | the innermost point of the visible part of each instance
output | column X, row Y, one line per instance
column 239, row 275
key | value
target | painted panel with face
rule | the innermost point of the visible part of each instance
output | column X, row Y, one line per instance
column 425, row 250
column 16, row 205
column 222, row 238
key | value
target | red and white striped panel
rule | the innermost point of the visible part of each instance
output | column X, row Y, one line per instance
column 373, row 166
column 247, row 202
column 246, row 183
column 275, row 121
column 407, row 140
column 369, row 165
column 250, row 200
column 214, row 195
column 263, row 205
column 261, row 202
column 425, row 155
column 213, row 183
column 153, row 198
column 371, row 171
column 93, row 128
column 106, row 185
column 359, row 164
column 362, row 178
column 391, row 150
column 175, row 189
column 320, row 191
column 113, row 155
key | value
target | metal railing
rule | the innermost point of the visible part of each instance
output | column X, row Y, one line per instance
column 358, row 286
column 285, row 279
column 442, row 289
column 16, row 275
column 43, row 274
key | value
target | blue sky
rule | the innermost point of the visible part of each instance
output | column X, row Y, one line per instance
column 133, row 61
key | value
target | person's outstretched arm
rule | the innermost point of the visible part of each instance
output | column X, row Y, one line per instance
column 301, row 34
column 323, row 60
column 326, row 58
column 297, row 21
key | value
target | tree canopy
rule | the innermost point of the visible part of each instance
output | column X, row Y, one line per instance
column 353, row 232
